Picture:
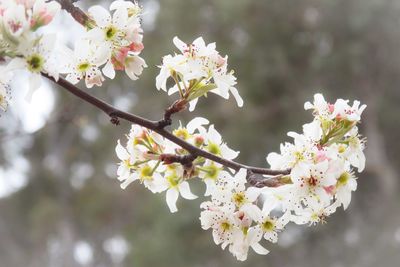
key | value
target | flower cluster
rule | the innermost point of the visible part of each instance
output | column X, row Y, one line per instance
column 154, row 160
column 112, row 42
column 197, row 70
column 240, row 215
column 21, row 47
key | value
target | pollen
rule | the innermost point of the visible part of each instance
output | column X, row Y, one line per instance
column 239, row 198
column 35, row 63
column 83, row 66
column 110, row 32
column 268, row 225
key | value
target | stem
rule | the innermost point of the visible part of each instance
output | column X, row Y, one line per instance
column 115, row 113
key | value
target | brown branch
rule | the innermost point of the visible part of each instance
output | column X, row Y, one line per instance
column 117, row 114
column 177, row 106
column 78, row 14
column 185, row 160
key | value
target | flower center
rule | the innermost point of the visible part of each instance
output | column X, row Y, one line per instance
column 146, row 173
column 343, row 179
column 182, row 133
column 225, row 226
column 110, row 32
column 213, row 148
column 83, row 66
column 312, row 181
column 239, row 198
column 35, row 63
column 268, row 225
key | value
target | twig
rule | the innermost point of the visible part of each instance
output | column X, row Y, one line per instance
column 176, row 107
column 115, row 113
column 79, row 15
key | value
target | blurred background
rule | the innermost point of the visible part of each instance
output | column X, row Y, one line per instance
column 60, row 202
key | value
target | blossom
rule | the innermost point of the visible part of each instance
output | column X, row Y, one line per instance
column 38, row 57
column 197, row 70
column 121, row 32
column 176, row 186
column 84, row 63
column 345, row 185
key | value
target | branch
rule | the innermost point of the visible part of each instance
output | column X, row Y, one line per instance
column 78, row 14
column 117, row 114
column 176, row 107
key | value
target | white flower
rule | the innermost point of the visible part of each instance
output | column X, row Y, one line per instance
column 37, row 58
column 197, row 70
column 173, row 180
column 346, row 183
column 269, row 226
column 222, row 222
column 84, row 63
column 243, row 241
column 312, row 180
column 122, row 34
column 346, row 112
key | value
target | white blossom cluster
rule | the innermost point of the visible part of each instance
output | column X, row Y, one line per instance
column 20, row 45
column 145, row 158
column 241, row 216
column 197, row 70
column 320, row 162
column 112, row 42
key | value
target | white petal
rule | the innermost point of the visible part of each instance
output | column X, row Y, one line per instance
column 108, row 70
column 101, row 15
column 195, row 124
column 237, row 97
column 259, row 249
column 121, row 152
column 192, row 104
column 171, row 198
column 184, row 189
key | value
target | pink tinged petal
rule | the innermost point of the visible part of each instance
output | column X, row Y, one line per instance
column 100, row 15
column 184, row 189
column 237, row 97
column 195, row 124
column 108, row 70
column 122, row 154
column 171, row 198
column 134, row 66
